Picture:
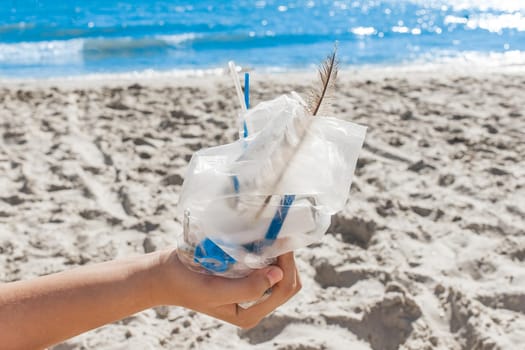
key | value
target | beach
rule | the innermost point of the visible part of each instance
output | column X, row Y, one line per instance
column 429, row 252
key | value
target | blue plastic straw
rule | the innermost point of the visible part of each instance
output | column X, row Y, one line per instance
column 246, row 101
column 247, row 90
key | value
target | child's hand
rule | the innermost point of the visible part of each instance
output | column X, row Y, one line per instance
column 43, row 311
column 219, row 297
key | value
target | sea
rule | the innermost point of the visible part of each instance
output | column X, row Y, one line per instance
column 63, row 38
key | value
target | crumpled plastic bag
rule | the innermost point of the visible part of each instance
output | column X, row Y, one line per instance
column 274, row 191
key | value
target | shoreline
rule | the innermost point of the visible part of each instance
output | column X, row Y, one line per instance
column 186, row 75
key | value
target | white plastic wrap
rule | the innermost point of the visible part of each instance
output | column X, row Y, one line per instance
column 274, row 191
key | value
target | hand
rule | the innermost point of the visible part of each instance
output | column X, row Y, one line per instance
column 219, row 297
column 39, row 312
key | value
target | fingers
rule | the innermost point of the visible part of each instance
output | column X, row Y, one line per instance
column 227, row 293
column 251, row 287
column 281, row 292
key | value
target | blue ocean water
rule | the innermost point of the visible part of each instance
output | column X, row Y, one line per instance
column 45, row 38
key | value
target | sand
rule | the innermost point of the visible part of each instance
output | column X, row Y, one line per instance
column 428, row 254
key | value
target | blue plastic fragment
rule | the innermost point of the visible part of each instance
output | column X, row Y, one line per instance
column 236, row 184
column 246, row 101
column 210, row 256
column 279, row 217
column 244, row 129
column 275, row 225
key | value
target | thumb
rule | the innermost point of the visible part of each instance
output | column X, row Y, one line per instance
column 251, row 287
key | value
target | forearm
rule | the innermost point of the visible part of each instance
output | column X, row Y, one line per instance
column 41, row 312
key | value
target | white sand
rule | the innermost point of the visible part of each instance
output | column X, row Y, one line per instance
column 429, row 253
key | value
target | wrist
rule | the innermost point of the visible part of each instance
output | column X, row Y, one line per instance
column 162, row 275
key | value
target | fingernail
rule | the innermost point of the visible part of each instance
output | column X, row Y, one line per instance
column 274, row 275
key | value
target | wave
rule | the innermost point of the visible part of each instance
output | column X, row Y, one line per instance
column 60, row 52
column 127, row 47
column 57, row 52
column 361, row 45
column 85, row 50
